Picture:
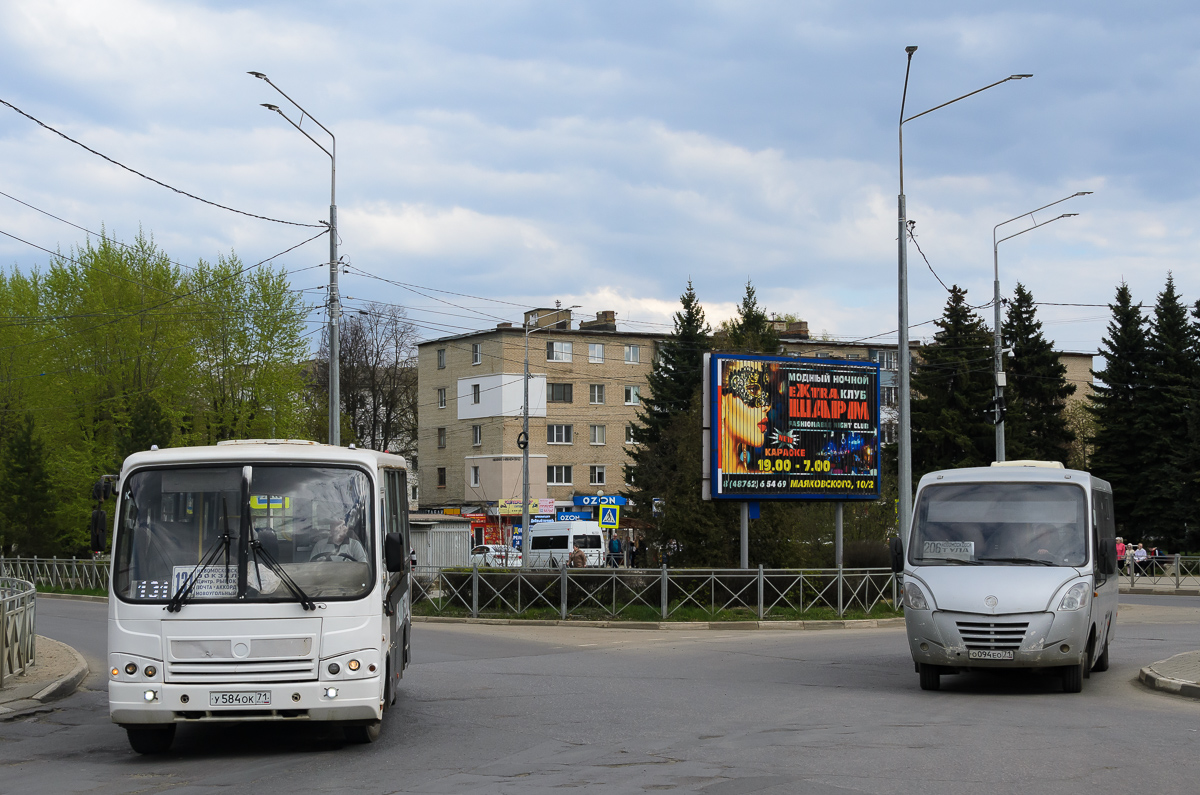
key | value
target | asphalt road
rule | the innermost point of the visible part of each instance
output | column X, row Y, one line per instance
column 532, row 709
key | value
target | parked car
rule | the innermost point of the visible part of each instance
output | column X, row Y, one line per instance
column 498, row 555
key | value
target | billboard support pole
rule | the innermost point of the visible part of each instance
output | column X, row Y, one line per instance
column 837, row 533
column 745, row 535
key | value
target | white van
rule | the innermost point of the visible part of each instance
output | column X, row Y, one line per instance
column 1010, row 566
column 550, row 543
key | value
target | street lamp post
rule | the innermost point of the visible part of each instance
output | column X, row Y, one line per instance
column 905, row 436
column 998, row 351
column 523, row 442
column 335, row 303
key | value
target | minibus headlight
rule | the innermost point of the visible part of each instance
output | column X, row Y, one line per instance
column 1076, row 597
column 914, row 598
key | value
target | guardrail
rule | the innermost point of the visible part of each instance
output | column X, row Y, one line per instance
column 1177, row 571
column 17, row 635
column 68, row 574
column 653, row 594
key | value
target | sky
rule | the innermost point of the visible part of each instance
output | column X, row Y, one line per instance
column 496, row 156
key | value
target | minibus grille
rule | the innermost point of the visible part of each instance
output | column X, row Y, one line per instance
column 217, row 672
column 992, row 634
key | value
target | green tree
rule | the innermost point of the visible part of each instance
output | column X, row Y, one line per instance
column 751, row 331
column 1035, row 424
column 27, row 499
column 953, row 387
column 1115, row 404
column 678, row 370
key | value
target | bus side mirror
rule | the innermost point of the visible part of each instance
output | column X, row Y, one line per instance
column 395, row 556
column 897, row 550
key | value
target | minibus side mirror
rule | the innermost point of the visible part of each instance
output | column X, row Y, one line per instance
column 897, row 550
column 395, row 556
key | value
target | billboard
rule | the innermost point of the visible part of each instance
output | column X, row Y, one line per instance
column 781, row 428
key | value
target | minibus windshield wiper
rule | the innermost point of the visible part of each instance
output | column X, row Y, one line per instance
column 305, row 600
column 955, row 561
column 1035, row 561
column 210, row 557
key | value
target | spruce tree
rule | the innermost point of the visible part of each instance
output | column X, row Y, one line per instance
column 952, row 391
column 27, row 495
column 1116, row 402
column 1037, row 391
column 751, row 331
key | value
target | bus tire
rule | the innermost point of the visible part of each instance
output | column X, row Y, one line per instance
column 364, row 734
column 151, row 739
column 1072, row 677
column 931, row 677
column 1102, row 661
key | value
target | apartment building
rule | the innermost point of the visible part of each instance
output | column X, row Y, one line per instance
column 586, row 384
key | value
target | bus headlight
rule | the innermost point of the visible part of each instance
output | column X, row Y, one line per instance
column 150, row 696
column 1076, row 597
column 914, row 597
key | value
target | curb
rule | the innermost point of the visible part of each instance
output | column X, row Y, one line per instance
column 65, row 686
column 1179, row 687
column 866, row 623
column 1160, row 591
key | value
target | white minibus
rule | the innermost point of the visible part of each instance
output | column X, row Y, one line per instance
column 259, row 580
column 551, row 543
column 1010, row 566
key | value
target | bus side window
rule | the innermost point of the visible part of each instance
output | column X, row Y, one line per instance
column 396, row 498
column 402, row 505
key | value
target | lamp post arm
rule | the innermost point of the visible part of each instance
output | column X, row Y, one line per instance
column 304, row 132
column 1035, row 226
column 996, row 242
column 964, row 96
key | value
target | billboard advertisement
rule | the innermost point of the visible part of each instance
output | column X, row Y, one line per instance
column 781, row 428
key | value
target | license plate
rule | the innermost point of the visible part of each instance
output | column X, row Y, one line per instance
column 989, row 654
column 227, row 699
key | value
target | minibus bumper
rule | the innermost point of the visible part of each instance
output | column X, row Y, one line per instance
column 972, row 640
column 355, row 700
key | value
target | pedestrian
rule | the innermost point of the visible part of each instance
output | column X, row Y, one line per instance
column 614, row 550
column 1121, row 553
column 577, row 559
column 412, row 557
column 1139, row 559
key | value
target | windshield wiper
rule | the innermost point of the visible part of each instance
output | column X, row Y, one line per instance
column 257, row 548
column 222, row 542
column 1035, row 561
column 956, row 561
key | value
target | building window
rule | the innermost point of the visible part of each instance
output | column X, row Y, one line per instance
column 475, row 393
column 633, row 396
column 442, row 398
column 888, row 394
column 558, row 393
column 597, row 434
column 558, row 434
column 558, row 351
column 596, row 352
column 886, row 359
column 888, row 431
column 414, row 494
column 441, row 472
column 476, row 353
column 596, row 394
column 633, row 354
column 441, row 358
column 475, row 475
column 558, row 475
column 629, row 433
column 441, row 436
column 596, row 476
column 477, row 435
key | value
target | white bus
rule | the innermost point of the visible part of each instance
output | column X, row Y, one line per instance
column 551, row 543
column 259, row 580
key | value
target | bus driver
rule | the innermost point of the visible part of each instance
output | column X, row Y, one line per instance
column 339, row 546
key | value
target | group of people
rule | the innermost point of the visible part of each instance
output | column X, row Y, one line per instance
column 1135, row 557
column 622, row 551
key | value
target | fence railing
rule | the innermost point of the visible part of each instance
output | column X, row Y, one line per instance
column 17, row 634
column 1174, row 571
column 653, row 594
column 68, row 574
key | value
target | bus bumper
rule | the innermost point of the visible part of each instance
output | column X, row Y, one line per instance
column 1047, row 640
column 352, row 700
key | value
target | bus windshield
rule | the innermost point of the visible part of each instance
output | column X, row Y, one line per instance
column 1016, row 524
column 312, row 521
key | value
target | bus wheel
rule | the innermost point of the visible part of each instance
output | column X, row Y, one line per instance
column 1102, row 661
column 151, row 739
column 364, row 734
column 1072, row 678
column 931, row 677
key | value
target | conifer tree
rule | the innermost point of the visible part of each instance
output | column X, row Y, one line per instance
column 678, row 370
column 1115, row 402
column 1037, row 391
column 751, row 330
column 27, row 495
column 952, row 391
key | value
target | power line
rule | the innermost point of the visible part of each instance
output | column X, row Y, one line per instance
column 42, row 124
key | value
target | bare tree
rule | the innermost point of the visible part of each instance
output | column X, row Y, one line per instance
column 377, row 355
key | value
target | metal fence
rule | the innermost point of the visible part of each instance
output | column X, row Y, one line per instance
column 67, row 574
column 653, row 594
column 1169, row 571
column 17, row 635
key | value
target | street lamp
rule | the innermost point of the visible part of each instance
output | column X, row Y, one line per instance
column 523, row 440
column 999, row 353
column 335, row 304
column 905, row 436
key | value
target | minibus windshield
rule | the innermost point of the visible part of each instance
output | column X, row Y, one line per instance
column 251, row 524
column 1000, row 524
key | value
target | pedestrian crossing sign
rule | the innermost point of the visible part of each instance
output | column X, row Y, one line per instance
column 610, row 516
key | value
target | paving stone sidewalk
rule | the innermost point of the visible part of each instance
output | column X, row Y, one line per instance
column 1179, row 674
column 57, row 672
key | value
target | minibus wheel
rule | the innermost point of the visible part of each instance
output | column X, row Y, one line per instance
column 1102, row 661
column 151, row 739
column 1072, row 677
column 364, row 734
column 931, row 677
